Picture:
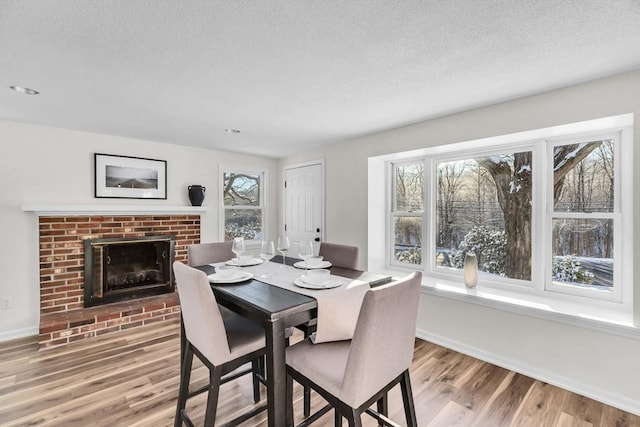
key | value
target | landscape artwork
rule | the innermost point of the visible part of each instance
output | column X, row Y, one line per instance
column 125, row 177
column 130, row 177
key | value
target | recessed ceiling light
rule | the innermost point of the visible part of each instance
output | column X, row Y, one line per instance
column 232, row 131
column 25, row 90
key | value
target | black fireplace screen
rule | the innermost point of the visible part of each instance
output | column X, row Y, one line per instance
column 122, row 269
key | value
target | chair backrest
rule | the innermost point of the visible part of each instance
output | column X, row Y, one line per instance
column 384, row 338
column 340, row 255
column 203, row 324
column 207, row 253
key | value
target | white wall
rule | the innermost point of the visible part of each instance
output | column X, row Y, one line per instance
column 47, row 165
column 600, row 365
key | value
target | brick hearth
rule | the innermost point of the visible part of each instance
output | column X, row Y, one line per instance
column 63, row 318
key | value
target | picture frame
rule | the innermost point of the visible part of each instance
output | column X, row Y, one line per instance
column 125, row 177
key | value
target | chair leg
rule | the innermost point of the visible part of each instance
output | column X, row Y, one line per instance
column 383, row 408
column 407, row 399
column 255, row 371
column 289, row 400
column 306, row 391
column 185, row 376
column 215, row 376
column 354, row 418
column 337, row 419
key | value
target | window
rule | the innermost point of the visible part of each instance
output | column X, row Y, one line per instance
column 540, row 213
column 243, row 204
column 483, row 205
column 584, row 215
column 407, row 213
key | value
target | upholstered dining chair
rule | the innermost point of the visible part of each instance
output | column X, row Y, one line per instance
column 223, row 344
column 208, row 253
column 344, row 256
column 352, row 375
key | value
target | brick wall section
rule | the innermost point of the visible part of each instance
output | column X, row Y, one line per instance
column 62, row 273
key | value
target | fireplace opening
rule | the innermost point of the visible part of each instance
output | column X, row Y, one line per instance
column 127, row 268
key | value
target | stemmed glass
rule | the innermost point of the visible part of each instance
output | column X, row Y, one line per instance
column 283, row 247
column 305, row 250
column 266, row 253
column 238, row 247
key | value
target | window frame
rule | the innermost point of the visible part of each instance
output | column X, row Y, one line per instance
column 540, row 143
column 394, row 213
column 465, row 154
column 262, row 203
column 616, row 294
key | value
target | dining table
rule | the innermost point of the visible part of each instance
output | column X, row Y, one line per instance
column 276, row 309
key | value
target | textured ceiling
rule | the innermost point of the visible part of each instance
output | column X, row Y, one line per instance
column 293, row 75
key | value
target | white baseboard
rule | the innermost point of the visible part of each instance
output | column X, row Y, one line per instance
column 621, row 402
column 19, row 333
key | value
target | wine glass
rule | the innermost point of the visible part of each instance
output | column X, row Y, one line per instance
column 238, row 247
column 305, row 250
column 266, row 253
column 283, row 247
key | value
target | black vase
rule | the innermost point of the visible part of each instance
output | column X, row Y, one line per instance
column 196, row 194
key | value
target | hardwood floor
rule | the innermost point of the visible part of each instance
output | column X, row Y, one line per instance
column 131, row 379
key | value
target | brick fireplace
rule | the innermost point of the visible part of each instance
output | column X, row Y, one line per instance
column 63, row 316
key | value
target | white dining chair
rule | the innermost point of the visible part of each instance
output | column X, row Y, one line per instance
column 223, row 344
column 352, row 375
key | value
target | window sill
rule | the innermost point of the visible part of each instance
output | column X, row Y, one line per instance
column 601, row 319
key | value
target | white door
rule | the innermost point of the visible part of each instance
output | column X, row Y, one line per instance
column 304, row 203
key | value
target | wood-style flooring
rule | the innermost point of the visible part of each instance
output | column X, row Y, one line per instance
column 130, row 378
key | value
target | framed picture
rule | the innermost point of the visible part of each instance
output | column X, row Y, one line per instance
column 129, row 177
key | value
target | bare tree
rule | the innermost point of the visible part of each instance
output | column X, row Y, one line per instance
column 450, row 183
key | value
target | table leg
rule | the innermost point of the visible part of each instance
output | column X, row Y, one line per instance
column 276, row 373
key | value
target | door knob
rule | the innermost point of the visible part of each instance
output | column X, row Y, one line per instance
column 317, row 239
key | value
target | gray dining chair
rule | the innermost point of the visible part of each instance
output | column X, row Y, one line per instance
column 223, row 344
column 208, row 253
column 352, row 375
column 344, row 256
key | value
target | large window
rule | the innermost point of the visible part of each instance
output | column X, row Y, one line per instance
column 584, row 215
column 543, row 213
column 243, row 204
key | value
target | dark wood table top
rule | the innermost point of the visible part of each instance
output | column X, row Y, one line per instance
column 262, row 302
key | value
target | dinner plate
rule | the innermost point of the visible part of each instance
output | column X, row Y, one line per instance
column 240, row 276
column 327, row 284
column 252, row 261
column 303, row 265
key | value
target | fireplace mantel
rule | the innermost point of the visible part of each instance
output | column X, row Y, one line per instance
column 76, row 210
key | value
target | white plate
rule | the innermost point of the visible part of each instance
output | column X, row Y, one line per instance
column 240, row 276
column 303, row 265
column 252, row 261
column 327, row 284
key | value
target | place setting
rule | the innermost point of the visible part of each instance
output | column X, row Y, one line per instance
column 229, row 274
column 317, row 279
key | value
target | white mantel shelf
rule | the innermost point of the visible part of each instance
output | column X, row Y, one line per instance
column 77, row 210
